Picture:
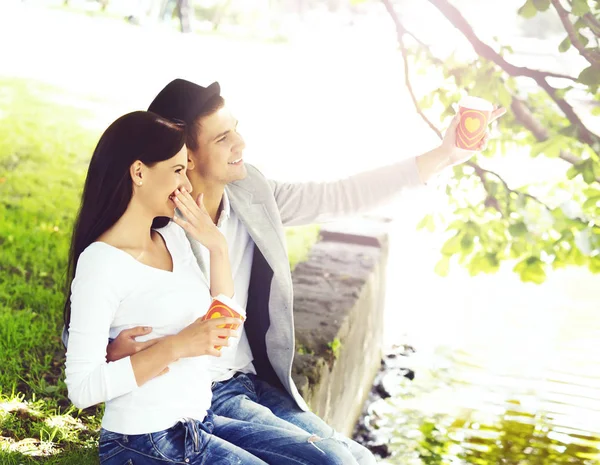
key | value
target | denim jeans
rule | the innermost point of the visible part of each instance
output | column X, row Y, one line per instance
column 247, row 398
column 219, row 441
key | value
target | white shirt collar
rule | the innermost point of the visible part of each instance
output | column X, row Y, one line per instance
column 226, row 210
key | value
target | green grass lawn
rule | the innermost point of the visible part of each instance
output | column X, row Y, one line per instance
column 45, row 146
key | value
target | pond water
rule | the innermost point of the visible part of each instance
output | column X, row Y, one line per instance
column 504, row 372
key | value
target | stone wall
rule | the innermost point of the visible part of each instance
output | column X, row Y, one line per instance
column 338, row 313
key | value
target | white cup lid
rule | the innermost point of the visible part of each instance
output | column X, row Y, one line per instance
column 476, row 103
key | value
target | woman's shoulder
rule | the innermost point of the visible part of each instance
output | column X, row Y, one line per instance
column 174, row 236
column 102, row 260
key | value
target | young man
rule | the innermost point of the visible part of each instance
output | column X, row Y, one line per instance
column 254, row 383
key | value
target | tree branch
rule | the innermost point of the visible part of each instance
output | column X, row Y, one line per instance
column 482, row 49
column 457, row 19
column 539, row 131
column 593, row 23
column 519, row 109
column 400, row 31
column 589, row 55
column 523, row 114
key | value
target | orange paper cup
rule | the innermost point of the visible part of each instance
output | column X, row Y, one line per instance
column 218, row 310
column 475, row 115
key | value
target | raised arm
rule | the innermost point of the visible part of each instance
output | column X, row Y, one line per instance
column 304, row 203
column 317, row 202
column 200, row 226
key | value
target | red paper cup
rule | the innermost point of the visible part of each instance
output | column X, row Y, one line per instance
column 217, row 310
column 475, row 115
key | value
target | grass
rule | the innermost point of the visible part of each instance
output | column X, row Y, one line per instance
column 45, row 145
column 43, row 155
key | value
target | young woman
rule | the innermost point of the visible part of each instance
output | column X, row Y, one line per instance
column 125, row 273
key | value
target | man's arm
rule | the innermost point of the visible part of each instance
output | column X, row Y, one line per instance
column 312, row 202
column 317, row 202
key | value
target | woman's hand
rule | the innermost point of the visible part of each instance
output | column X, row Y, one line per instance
column 201, row 337
column 197, row 222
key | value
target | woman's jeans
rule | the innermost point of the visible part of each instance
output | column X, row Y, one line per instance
column 221, row 441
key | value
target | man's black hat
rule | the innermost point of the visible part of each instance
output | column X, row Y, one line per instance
column 183, row 100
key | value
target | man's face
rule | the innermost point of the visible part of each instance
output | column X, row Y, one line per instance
column 218, row 159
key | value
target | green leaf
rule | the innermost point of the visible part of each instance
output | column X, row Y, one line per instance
column 591, row 202
column 572, row 172
column 490, row 263
column 427, row 223
column 541, row 5
column 596, row 111
column 528, row 10
column 504, row 96
column 588, row 173
column 565, row 45
column 452, row 245
column 459, row 225
column 531, row 270
column 467, row 243
column 580, row 7
column 594, row 264
column 551, row 147
column 590, row 76
column 442, row 267
column 518, row 229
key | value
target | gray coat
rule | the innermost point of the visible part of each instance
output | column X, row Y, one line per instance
column 266, row 207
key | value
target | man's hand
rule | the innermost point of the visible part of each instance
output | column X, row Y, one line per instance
column 125, row 344
column 448, row 154
column 456, row 155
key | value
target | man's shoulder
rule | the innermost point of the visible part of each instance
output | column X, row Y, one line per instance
column 254, row 179
column 254, row 174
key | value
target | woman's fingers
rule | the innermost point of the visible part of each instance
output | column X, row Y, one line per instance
column 200, row 203
column 184, row 224
column 214, row 352
column 184, row 207
column 225, row 320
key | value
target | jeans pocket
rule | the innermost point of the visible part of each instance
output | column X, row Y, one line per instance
column 170, row 443
column 108, row 450
column 245, row 381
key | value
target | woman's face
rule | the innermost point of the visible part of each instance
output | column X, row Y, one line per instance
column 160, row 181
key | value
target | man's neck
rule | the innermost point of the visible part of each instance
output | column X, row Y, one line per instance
column 213, row 195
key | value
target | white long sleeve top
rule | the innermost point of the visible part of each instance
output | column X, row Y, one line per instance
column 111, row 292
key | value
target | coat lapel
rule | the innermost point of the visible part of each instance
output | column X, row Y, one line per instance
column 250, row 208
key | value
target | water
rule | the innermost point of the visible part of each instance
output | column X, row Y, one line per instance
column 506, row 372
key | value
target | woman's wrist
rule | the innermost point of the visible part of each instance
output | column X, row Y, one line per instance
column 219, row 250
column 172, row 346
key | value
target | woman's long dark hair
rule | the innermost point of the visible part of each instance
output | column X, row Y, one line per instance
column 140, row 135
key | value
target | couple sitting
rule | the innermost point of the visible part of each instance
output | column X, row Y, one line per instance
column 172, row 219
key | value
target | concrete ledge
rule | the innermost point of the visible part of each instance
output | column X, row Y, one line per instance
column 338, row 313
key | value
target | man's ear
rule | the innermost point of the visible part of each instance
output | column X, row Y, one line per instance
column 191, row 164
column 136, row 171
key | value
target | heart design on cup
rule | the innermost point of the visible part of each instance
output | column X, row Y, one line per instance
column 471, row 129
column 472, row 124
column 217, row 310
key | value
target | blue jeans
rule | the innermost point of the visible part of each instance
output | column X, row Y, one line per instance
column 247, row 398
column 218, row 441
